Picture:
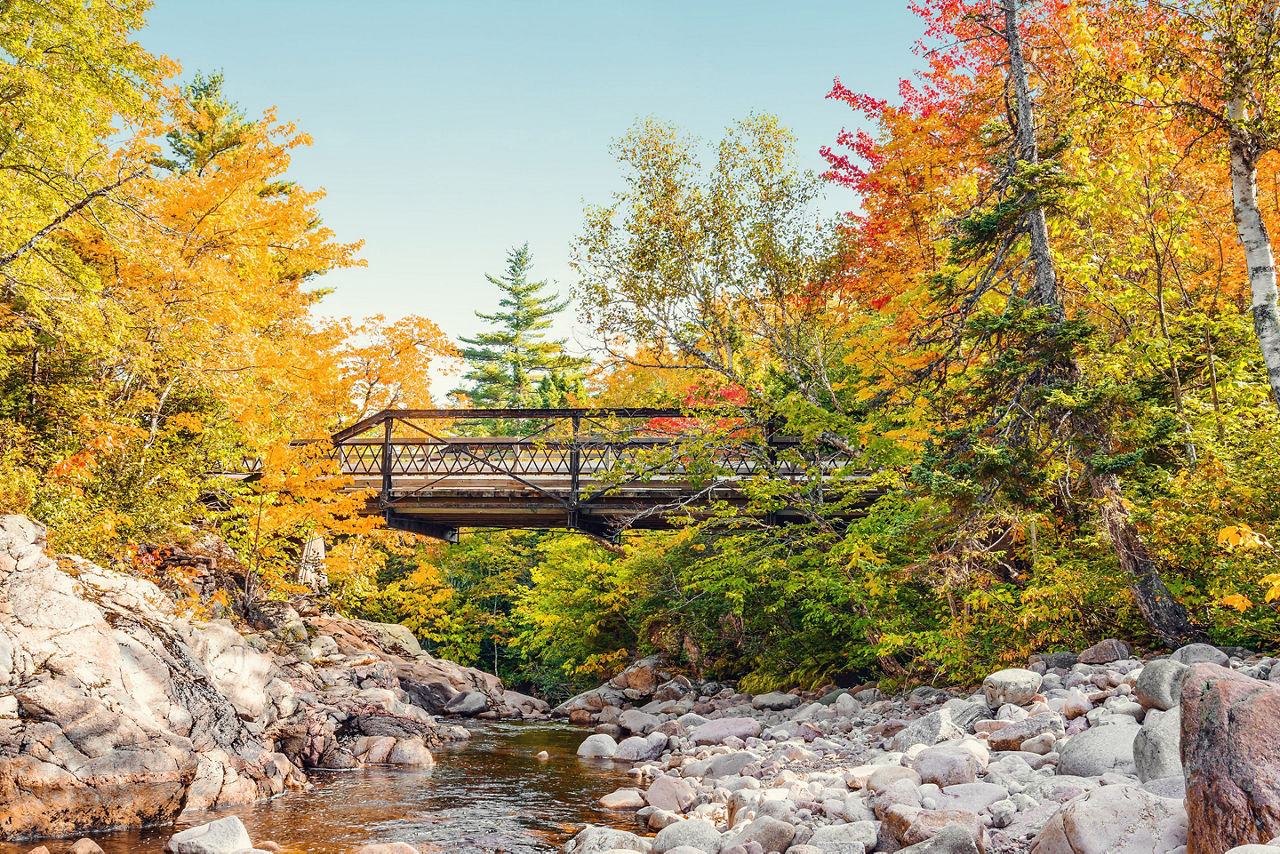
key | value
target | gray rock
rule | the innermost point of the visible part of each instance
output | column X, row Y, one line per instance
column 1013, row 685
column 224, row 836
column 1157, row 748
column 691, row 721
column 952, row 839
column 693, row 833
column 971, row 797
column 623, row 800
column 1099, row 750
column 729, row 764
column 928, row 730
column 715, row 732
column 598, row 746
column 773, row 835
column 1115, row 820
column 845, row 838
column 638, row 722
column 946, row 766
column 640, row 748
column 1012, row 736
column 670, row 793
column 1160, row 684
column 597, row 840
column 468, row 704
column 1062, row 660
column 965, row 713
column 1197, row 653
column 775, row 701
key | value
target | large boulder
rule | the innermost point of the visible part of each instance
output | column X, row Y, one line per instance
column 239, row 672
column 1231, row 758
column 1115, row 820
column 1159, row 684
column 670, row 793
column 1014, row 685
column 92, row 745
column 691, row 833
column 467, row 704
column 1157, row 748
column 597, row 840
column 224, row 836
column 1200, row 653
column 115, row 711
column 598, row 746
column 1100, row 750
column 1105, row 652
column 717, row 731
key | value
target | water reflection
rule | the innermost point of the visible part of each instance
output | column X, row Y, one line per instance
column 491, row 795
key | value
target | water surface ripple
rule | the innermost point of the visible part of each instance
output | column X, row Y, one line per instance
column 491, row 794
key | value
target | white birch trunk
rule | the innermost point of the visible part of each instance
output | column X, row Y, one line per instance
column 1259, row 258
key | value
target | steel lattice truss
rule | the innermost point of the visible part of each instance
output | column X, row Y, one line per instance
column 599, row 471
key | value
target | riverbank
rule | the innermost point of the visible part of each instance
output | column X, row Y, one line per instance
column 1104, row 752
column 116, row 711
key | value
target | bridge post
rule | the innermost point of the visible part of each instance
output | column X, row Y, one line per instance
column 575, row 466
column 386, row 461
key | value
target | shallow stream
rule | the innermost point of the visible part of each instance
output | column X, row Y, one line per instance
column 491, row 794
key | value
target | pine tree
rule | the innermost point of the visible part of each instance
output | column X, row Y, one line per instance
column 511, row 364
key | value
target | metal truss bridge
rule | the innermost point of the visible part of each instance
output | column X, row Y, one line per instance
column 598, row 471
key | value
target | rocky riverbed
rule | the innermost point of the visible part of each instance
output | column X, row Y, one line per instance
column 1097, row 753
column 117, row 712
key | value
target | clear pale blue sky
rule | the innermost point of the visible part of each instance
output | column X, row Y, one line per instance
column 446, row 132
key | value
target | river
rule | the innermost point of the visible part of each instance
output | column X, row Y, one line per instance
column 490, row 794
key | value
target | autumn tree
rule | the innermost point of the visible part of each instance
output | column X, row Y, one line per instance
column 1218, row 63
column 388, row 365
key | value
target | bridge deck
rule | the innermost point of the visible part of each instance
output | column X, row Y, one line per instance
column 592, row 470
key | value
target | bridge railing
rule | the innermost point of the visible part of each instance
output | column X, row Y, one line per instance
column 579, row 465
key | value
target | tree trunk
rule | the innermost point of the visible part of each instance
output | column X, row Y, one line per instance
column 1259, row 258
column 1164, row 614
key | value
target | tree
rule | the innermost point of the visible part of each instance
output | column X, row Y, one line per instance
column 388, row 365
column 208, row 125
column 507, row 363
column 1218, row 63
column 999, row 312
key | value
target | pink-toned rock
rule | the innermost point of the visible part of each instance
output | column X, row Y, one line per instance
column 926, row 824
column 670, row 793
column 1105, row 652
column 1231, row 759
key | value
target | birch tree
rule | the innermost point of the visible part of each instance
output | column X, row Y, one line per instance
column 1221, row 60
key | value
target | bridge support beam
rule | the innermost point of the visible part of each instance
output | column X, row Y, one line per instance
column 401, row 522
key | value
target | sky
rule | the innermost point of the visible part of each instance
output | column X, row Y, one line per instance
column 447, row 132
